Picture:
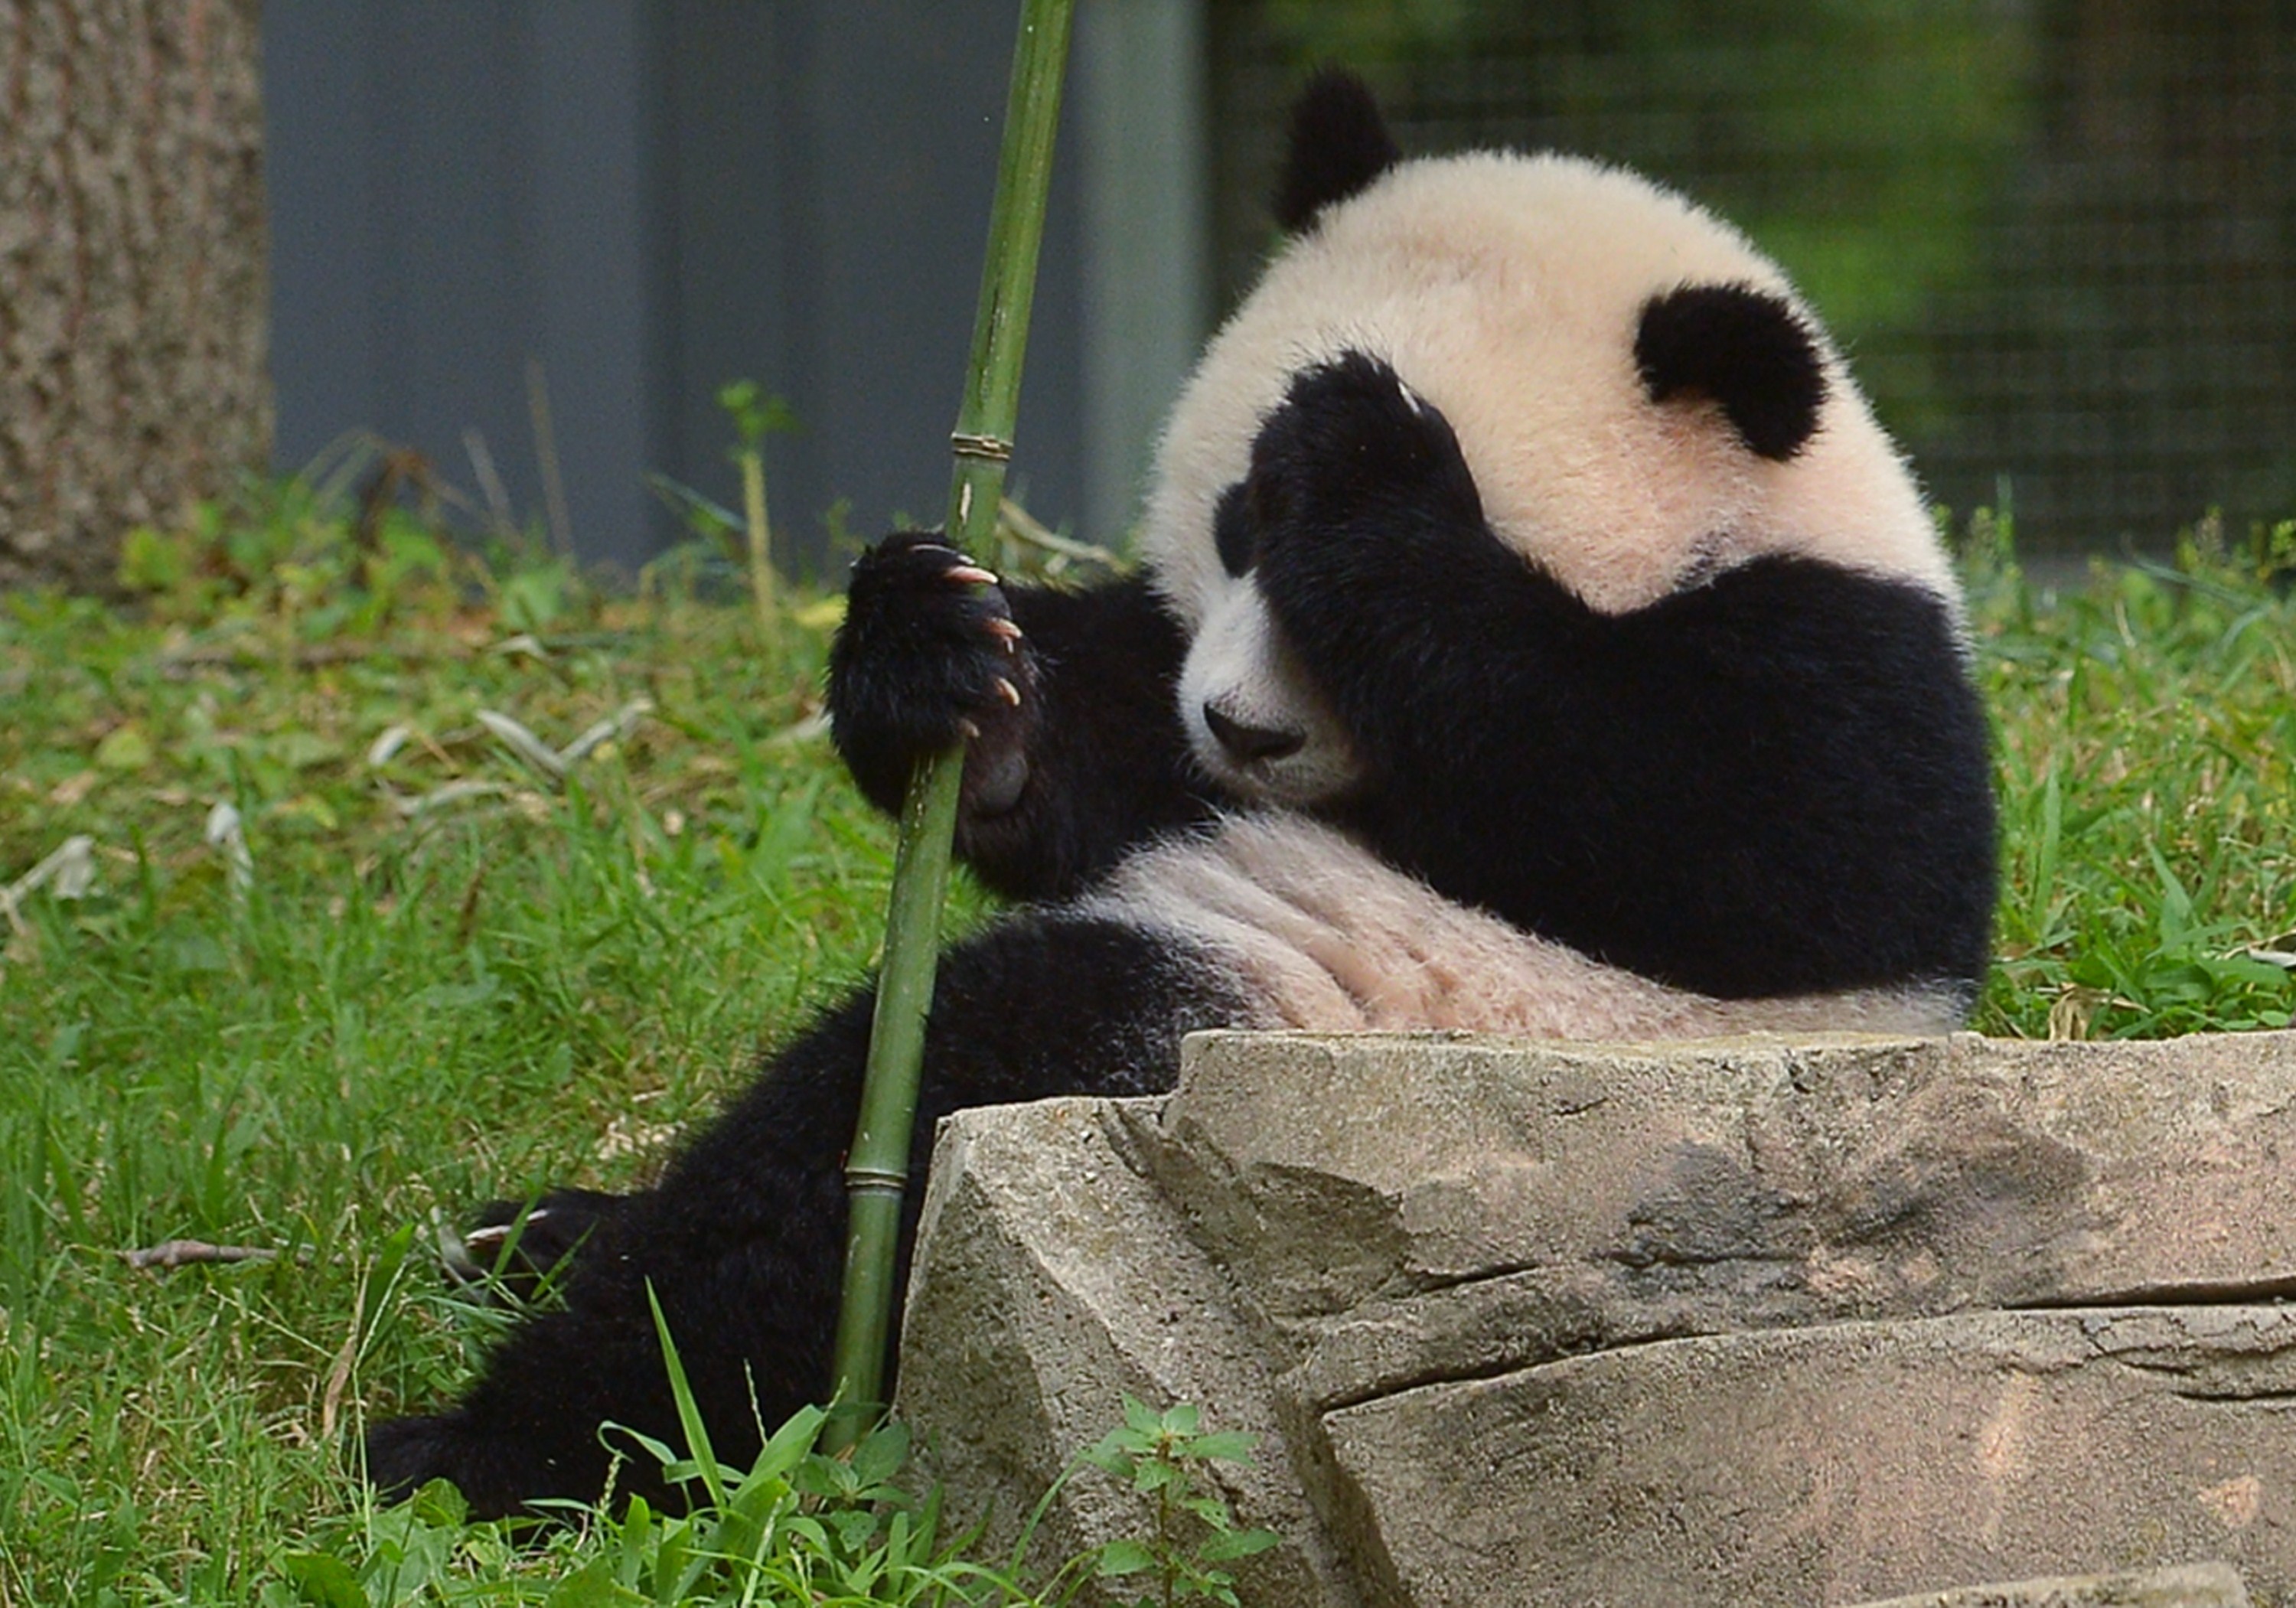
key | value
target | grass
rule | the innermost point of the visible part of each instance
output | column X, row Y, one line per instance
column 446, row 971
column 448, row 976
column 2146, row 774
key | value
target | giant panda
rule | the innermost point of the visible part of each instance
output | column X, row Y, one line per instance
column 1536, row 634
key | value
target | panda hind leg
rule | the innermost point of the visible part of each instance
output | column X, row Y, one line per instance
column 519, row 1250
column 741, row 1241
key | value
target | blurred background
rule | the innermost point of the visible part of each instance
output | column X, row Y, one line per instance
column 2057, row 237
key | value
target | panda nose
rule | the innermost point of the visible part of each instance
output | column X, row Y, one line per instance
column 1246, row 743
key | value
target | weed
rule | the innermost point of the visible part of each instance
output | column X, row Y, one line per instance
column 1167, row 1457
column 800, row 1525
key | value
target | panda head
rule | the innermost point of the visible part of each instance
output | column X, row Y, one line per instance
column 1642, row 398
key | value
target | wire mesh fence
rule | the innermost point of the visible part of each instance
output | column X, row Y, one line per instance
column 2057, row 237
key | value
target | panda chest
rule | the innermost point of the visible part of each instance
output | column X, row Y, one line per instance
column 1325, row 937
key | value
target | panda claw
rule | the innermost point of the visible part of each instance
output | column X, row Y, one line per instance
column 1008, row 691
column 1004, row 631
column 970, row 574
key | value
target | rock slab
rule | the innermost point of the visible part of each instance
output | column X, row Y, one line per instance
column 2192, row 1585
column 1753, row 1321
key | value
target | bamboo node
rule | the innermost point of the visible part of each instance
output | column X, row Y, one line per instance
column 994, row 449
column 876, row 1180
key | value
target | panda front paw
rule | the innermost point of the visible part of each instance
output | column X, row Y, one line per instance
column 1355, row 455
column 1366, row 540
column 929, row 657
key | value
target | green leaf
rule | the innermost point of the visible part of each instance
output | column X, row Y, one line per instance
column 2243, row 971
column 2176, row 903
column 1223, row 1446
column 659, row 1450
column 149, row 562
column 1122, row 1558
column 1233, row 1544
column 689, row 1415
column 797, row 1436
column 1155, row 1475
column 324, row 1579
column 125, row 748
column 1113, row 1456
column 593, row 1587
column 880, row 1454
column 855, row 1528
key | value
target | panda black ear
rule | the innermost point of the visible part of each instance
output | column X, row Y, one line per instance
column 1339, row 145
column 1745, row 349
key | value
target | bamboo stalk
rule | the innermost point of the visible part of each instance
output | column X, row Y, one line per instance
column 876, row 1173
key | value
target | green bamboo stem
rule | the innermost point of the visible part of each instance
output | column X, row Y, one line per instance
column 877, row 1169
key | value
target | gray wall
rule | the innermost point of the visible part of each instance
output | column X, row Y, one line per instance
column 639, row 202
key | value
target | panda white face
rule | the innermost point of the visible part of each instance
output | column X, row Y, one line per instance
column 1511, row 291
column 1254, row 721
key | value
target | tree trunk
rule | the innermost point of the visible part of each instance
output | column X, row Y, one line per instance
column 133, row 284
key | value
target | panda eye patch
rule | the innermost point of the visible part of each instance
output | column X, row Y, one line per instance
column 1232, row 534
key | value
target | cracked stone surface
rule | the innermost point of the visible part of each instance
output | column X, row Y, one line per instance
column 2189, row 1586
column 1756, row 1321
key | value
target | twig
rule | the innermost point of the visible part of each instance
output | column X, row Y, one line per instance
column 449, row 794
column 171, row 1254
column 1016, row 524
column 69, row 871
column 310, row 656
column 524, row 743
column 490, row 485
column 545, row 453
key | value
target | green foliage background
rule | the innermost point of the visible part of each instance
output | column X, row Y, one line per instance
column 1917, row 109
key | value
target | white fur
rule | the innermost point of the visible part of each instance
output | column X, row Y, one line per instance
column 1240, row 665
column 1328, row 938
column 1507, row 290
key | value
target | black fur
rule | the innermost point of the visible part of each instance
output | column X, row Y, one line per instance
column 1745, row 350
column 1339, row 145
column 1770, row 784
column 1232, row 537
column 1774, row 782
column 1092, row 761
column 517, row 1248
column 743, row 1239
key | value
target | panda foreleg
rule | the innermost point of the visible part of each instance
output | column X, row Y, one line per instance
column 1074, row 750
column 741, row 1241
column 1374, row 557
column 1773, row 781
